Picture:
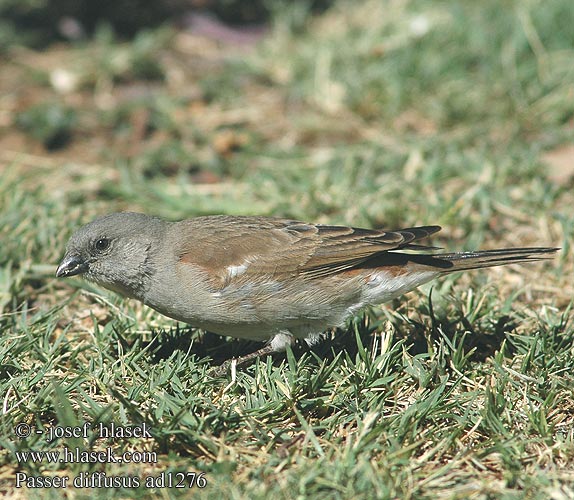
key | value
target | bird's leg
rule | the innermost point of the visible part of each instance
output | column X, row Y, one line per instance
column 222, row 369
column 278, row 343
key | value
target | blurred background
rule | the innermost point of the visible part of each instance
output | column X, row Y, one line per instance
column 371, row 113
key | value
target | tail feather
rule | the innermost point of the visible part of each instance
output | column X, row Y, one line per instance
column 462, row 261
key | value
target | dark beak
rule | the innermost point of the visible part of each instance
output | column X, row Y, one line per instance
column 71, row 266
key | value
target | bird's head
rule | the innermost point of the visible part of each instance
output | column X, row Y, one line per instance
column 113, row 251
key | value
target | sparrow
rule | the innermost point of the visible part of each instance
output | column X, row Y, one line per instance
column 263, row 278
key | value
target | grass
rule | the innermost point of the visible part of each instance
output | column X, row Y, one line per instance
column 375, row 114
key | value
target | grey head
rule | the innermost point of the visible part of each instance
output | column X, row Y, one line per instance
column 114, row 251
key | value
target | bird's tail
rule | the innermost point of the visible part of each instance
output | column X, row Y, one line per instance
column 462, row 261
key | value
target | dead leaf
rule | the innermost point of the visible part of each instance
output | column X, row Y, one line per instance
column 560, row 163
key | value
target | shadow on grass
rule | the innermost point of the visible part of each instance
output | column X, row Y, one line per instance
column 481, row 342
column 478, row 342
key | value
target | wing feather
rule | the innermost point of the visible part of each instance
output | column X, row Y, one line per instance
column 275, row 247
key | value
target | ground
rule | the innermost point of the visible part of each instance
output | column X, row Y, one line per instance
column 375, row 114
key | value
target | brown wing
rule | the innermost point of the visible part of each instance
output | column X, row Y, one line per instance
column 268, row 246
column 343, row 247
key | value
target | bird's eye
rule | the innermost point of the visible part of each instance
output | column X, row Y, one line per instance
column 102, row 244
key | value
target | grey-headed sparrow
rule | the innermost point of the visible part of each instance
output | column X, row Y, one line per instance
column 262, row 278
